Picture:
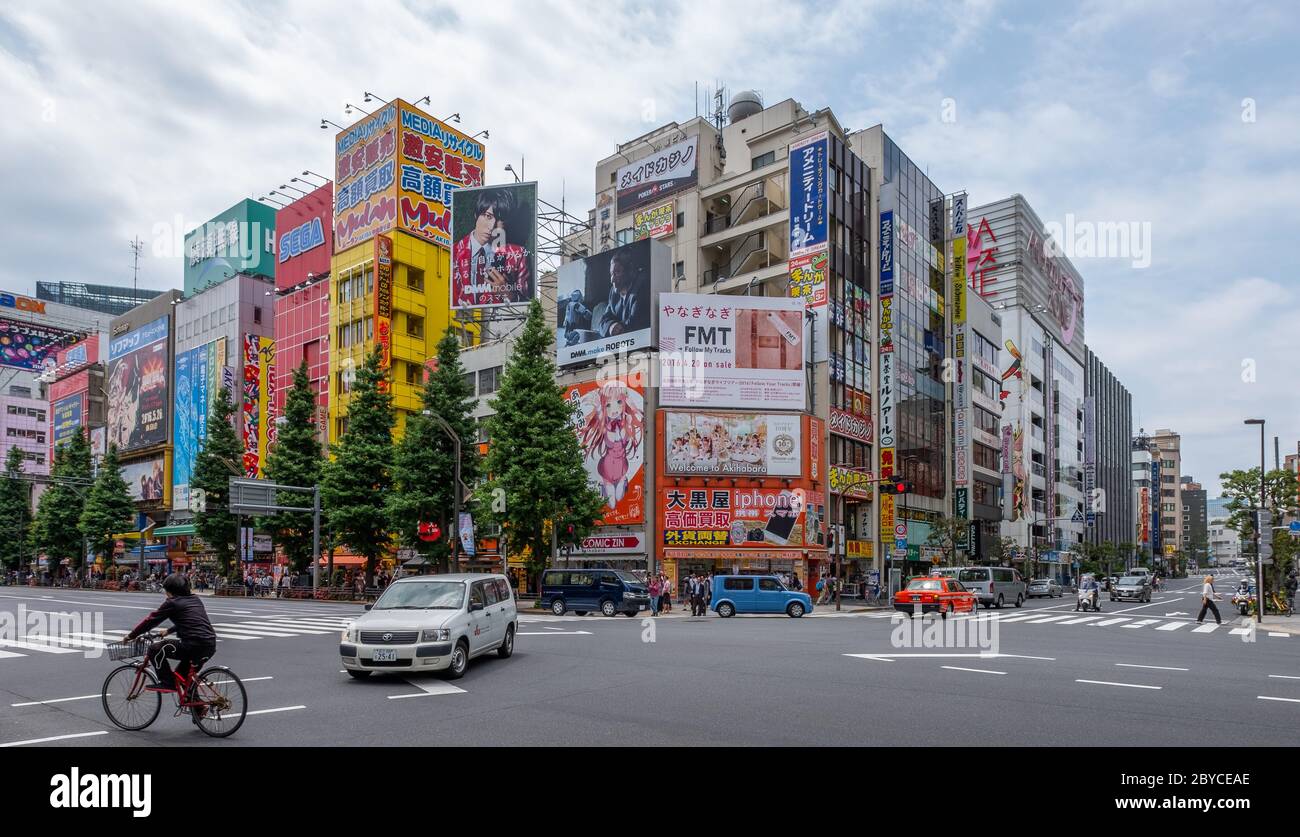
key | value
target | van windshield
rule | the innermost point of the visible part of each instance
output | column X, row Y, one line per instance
column 628, row 578
column 422, row 595
column 973, row 575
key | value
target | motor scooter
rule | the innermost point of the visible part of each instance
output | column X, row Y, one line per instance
column 1088, row 599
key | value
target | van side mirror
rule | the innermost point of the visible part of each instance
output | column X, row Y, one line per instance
column 367, row 607
column 473, row 606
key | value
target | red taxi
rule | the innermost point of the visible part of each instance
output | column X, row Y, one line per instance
column 935, row 594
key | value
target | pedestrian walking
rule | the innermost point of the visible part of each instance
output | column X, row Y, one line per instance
column 655, row 589
column 666, row 589
column 1208, row 597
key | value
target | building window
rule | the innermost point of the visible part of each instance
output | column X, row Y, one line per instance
column 415, row 325
column 370, row 328
column 415, row 279
column 763, row 160
column 624, row 237
column 681, row 220
column 257, row 315
column 489, row 380
column 413, row 374
column 370, row 280
column 985, row 456
column 469, row 381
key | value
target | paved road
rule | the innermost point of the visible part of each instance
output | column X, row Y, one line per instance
column 1136, row 674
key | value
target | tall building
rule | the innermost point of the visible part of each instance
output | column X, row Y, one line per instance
column 1225, row 541
column 240, row 240
column 395, row 173
column 1039, row 294
column 914, row 422
column 758, row 208
column 139, row 395
column 24, row 424
column 106, row 299
column 302, row 298
column 1168, row 445
column 77, row 395
column 224, row 339
column 1194, row 520
column 1107, row 455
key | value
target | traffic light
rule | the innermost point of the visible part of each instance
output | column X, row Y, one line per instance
column 896, row 487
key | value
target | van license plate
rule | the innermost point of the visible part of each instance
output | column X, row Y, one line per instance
column 383, row 655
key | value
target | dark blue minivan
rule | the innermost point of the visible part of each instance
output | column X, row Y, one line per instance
column 579, row 590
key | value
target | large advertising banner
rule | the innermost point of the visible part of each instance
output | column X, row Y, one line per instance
column 137, row 387
column 1090, row 458
column 30, row 346
column 959, row 259
column 384, row 301
column 653, row 178
column 604, row 302
column 144, row 479
column 808, row 205
column 655, row 222
column 753, row 444
column 66, row 418
column 434, row 161
column 735, row 517
column 189, row 418
column 609, row 418
column 494, row 261
column 306, row 230
column 365, row 175
column 731, row 351
column 259, row 401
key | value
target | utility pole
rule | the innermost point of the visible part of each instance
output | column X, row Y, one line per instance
column 136, row 246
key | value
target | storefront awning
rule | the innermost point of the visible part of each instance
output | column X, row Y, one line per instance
column 174, row 531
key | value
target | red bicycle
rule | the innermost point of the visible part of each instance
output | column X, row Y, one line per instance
column 214, row 698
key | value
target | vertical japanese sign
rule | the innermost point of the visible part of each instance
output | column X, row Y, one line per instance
column 1090, row 458
column 1049, row 429
column 885, row 395
column 384, row 298
column 434, row 161
column 259, row 374
column 808, row 204
column 959, row 260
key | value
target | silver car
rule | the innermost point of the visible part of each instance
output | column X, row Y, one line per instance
column 1044, row 587
column 1136, row 587
column 432, row 623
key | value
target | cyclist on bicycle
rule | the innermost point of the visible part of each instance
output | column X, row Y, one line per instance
column 195, row 639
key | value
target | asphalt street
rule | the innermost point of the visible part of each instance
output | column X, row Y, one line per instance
column 1135, row 674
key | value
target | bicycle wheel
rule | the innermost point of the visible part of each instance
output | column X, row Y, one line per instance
column 224, row 702
column 126, row 701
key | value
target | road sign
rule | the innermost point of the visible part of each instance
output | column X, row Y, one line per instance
column 1295, row 526
column 900, row 530
column 1078, row 517
column 251, row 496
column 1266, row 562
column 900, row 553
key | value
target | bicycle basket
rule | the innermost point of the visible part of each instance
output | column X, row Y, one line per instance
column 127, row 650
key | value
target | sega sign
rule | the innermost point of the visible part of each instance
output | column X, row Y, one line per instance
column 301, row 239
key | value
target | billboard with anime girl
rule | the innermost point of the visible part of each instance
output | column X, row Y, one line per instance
column 609, row 418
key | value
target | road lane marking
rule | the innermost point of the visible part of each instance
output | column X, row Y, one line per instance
column 277, row 709
column 1161, row 668
column 1171, row 626
column 1278, row 633
column 243, row 680
column 1126, row 685
column 1141, row 623
column 1205, row 629
column 428, row 690
column 35, row 646
column 53, row 738
column 1111, row 622
column 55, row 700
column 985, row 655
column 1148, row 604
column 238, row 629
column 4, row 654
column 1021, row 617
column 976, row 670
column 1044, row 619
column 557, row 633
column 82, row 603
column 1284, row 700
column 1284, row 677
column 1080, row 620
column 273, row 626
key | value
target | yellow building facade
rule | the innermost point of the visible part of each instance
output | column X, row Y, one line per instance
column 395, row 173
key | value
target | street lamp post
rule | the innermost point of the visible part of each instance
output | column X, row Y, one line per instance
column 1259, row 560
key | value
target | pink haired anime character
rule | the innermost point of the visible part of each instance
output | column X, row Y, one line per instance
column 613, row 431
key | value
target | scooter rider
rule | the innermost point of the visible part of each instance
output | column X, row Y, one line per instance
column 1089, row 593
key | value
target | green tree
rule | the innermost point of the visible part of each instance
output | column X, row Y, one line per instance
column 15, row 511
column 355, row 484
column 109, row 508
column 296, row 459
column 217, row 461
column 1242, row 490
column 57, row 528
column 945, row 534
column 424, row 462
column 535, row 473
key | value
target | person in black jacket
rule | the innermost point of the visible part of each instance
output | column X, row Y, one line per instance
column 195, row 640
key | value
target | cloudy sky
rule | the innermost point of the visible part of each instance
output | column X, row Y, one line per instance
column 146, row 118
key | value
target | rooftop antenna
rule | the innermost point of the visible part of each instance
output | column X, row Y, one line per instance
column 136, row 246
